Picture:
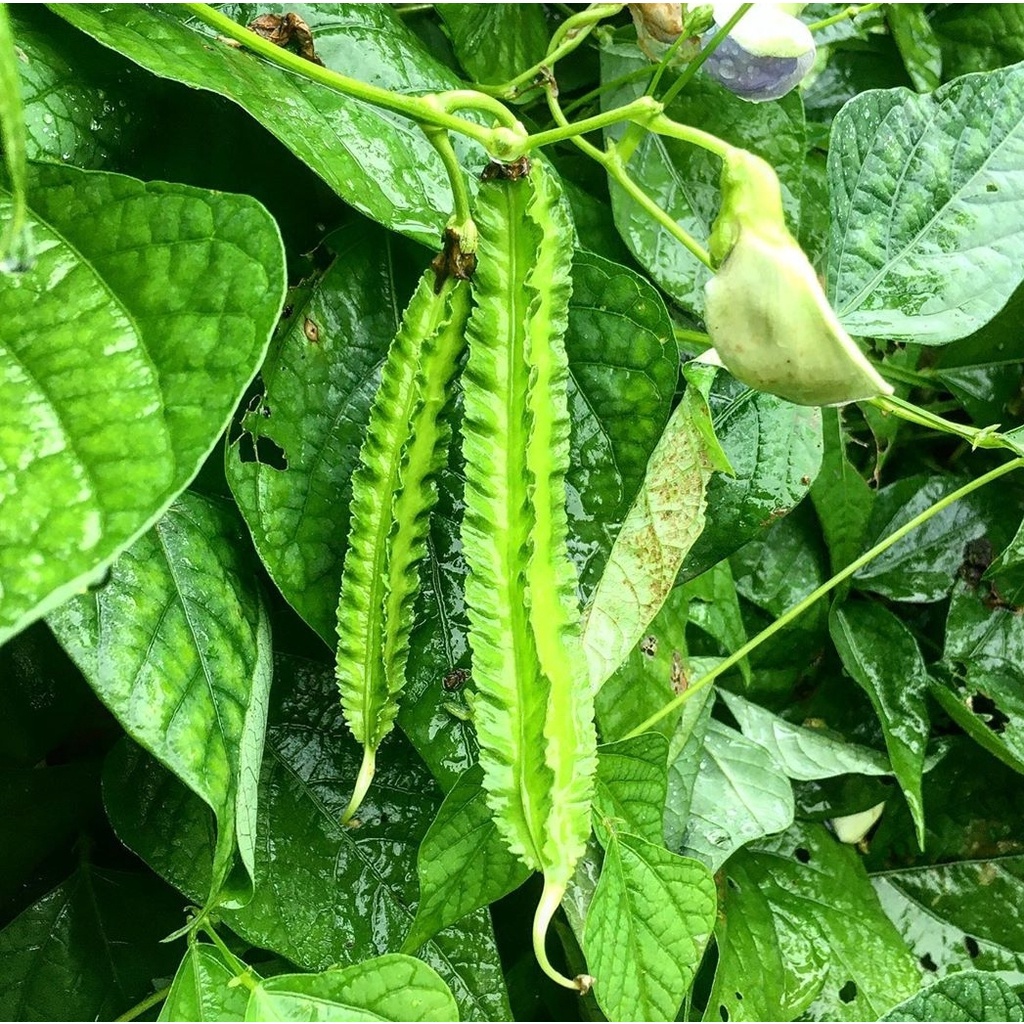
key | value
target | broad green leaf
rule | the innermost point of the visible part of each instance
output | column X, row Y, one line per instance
column 632, row 783
column 881, row 654
column 917, row 43
column 979, row 37
column 177, row 645
column 75, row 93
column 125, row 349
column 739, row 795
column 650, row 918
column 961, row 915
column 316, row 879
column 841, row 496
column 684, row 179
column 970, row 996
column 393, row 987
column 90, row 949
column 774, row 448
column 686, row 756
column 714, row 608
column 983, row 654
column 942, row 175
column 803, row 753
column 495, row 42
column 809, row 936
column 463, row 863
column 923, row 566
column 379, row 162
column 202, row 989
column 1006, row 573
column 666, row 518
column 290, row 467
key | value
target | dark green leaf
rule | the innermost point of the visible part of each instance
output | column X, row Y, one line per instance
column 918, row 45
column 881, row 654
column 649, row 920
column 774, row 448
column 379, row 162
column 495, row 42
column 739, row 795
column 979, row 37
column 316, row 879
column 714, row 608
column 392, row 987
column 960, row 916
column 632, row 782
column 970, row 996
column 177, row 645
column 90, row 949
column 126, row 348
column 809, row 936
column 463, row 863
column 202, row 989
column 683, row 179
column 944, row 184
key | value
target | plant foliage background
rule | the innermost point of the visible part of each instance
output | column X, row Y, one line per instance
column 223, row 251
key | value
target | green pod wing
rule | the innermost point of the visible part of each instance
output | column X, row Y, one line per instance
column 533, row 710
column 393, row 491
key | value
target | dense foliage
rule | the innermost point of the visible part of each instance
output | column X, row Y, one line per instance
column 404, row 610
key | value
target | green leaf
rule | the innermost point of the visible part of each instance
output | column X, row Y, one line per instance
column 980, row 38
column 495, row 42
column 318, row 380
column 648, row 923
column 970, row 996
column 120, row 373
column 841, row 496
column 686, row 755
column 684, row 179
column 315, row 877
column 808, row 936
column 960, row 916
column 392, row 987
column 15, row 239
column 942, row 175
column 666, row 518
column 802, row 753
column 202, row 989
column 74, row 92
column 632, row 783
column 983, row 653
column 881, row 654
column 714, row 608
column 775, row 450
column 177, row 645
column 1006, row 573
column 917, row 43
column 740, row 795
column 463, row 863
column 89, row 949
column 379, row 162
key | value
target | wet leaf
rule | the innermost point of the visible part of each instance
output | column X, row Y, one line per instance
column 986, row 37
column 177, row 645
column 918, row 45
column 649, row 920
column 120, row 376
column 317, row 881
column 949, row 254
column 495, row 42
column 969, row 996
column 881, row 654
column 202, row 989
column 632, row 782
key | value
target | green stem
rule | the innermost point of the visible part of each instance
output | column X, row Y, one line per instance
column 148, row 1003
column 422, row 109
column 243, row 972
column 798, row 609
column 550, row 900
column 978, row 437
column 363, row 780
column 640, row 111
column 662, row 125
column 849, row 12
column 15, row 243
column 462, row 218
column 627, row 79
column 567, row 37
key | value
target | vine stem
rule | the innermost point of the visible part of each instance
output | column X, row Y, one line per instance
column 550, row 901
column 798, row 609
column 432, row 110
column 363, row 780
column 849, row 12
column 462, row 218
column 978, row 437
column 141, row 1007
column 566, row 38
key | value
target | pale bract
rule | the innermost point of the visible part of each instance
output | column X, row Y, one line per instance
column 765, row 310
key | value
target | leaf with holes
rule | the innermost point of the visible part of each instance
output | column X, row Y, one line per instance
column 124, row 350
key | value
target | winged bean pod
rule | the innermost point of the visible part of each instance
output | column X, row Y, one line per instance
column 393, row 491
column 534, row 713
